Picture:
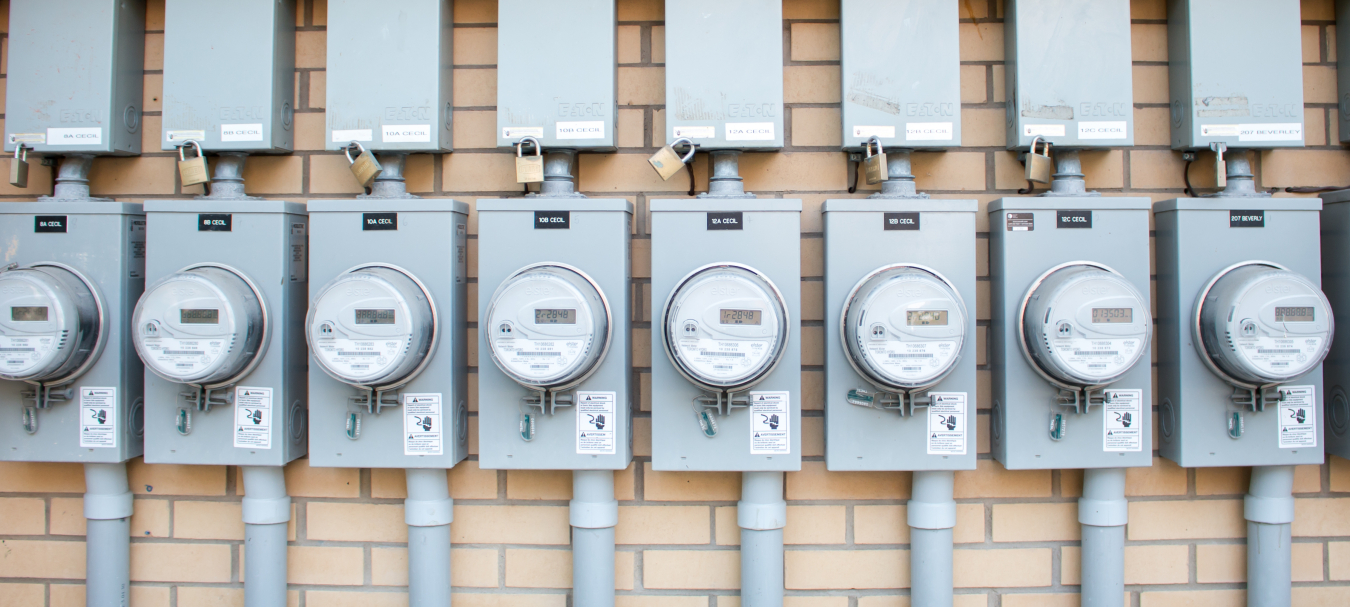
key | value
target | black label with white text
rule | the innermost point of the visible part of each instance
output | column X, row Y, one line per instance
column 731, row 220
column 900, row 221
column 552, row 220
column 1073, row 219
column 214, row 222
column 49, row 224
column 379, row 221
column 1246, row 219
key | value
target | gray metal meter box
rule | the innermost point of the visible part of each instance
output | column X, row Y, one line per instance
column 1241, row 95
column 220, row 329
column 1070, row 332
column 1335, row 226
column 554, row 307
column 726, row 334
column 1069, row 73
column 70, row 382
column 556, row 75
column 386, row 325
column 1243, row 328
column 229, row 75
column 389, row 74
column 724, row 74
column 900, row 334
column 886, row 94
column 74, row 78
column 1343, row 67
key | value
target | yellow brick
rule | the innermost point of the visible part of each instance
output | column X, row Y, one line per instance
column 811, row 84
column 1036, row 522
column 1307, row 479
column 325, row 565
column 608, row 173
column 1009, row 174
column 25, row 595
column 816, row 127
column 948, row 171
column 629, row 46
column 1104, row 168
column 1001, row 568
column 813, row 346
column 969, row 524
column 641, row 10
column 154, row 52
column 1186, row 520
column 1315, row 127
column 625, row 570
column 658, row 44
column 274, row 175
column 1148, row 41
column 475, row 87
column 150, row 518
column 1318, row 517
column 476, row 46
column 1162, row 478
column 135, row 175
column 538, row 568
column 991, row 479
column 1312, row 43
column 476, row 11
column 642, row 436
column 982, row 42
column 642, row 347
column 469, row 568
column 1321, row 597
column 200, row 596
column 667, row 486
column 475, row 129
column 664, row 525
column 813, row 436
column 1338, row 559
column 480, row 173
column 302, row 480
column 207, row 563
column 815, row 41
column 311, row 49
column 1319, row 84
column 1152, row 127
column 208, row 520
column 881, row 525
column 539, row 484
column 309, row 131
column 318, row 90
column 171, row 479
column 1148, row 9
column 22, row 516
column 1156, row 564
column 630, row 130
column 813, row 257
column 973, row 83
column 813, row 483
column 642, row 85
column 67, row 516
column 813, row 390
column 660, row 601
column 1159, row 169
column 983, row 127
column 1150, row 84
column 726, row 533
column 355, row 522
column 329, row 598
column 151, row 88
column 788, row 171
column 510, row 525
column 1307, row 561
column 1042, row 600
column 846, row 569
column 41, row 559
column 814, row 525
column 1194, row 598
column 1281, row 168
column 690, row 569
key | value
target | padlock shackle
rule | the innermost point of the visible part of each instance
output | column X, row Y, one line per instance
column 1045, row 145
column 538, row 147
column 692, row 148
column 867, row 145
column 347, row 151
column 20, row 148
column 193, row 143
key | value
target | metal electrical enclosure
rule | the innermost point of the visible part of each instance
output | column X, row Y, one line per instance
column 1029, row 238
column 905, row 103
column 556, row 73
column 97, row 417
column 1198, row 239
column 587, row 237
column 1343, row 67
column 765, row 236
column 724, row 74
column 1069, row 73
column 389, row 74
column 1241, row 95
column 229, row 75
column 1335, row 226
column 937, row 235
column 258, row 420
column 74, row 77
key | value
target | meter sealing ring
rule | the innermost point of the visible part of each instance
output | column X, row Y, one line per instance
column 100, row 331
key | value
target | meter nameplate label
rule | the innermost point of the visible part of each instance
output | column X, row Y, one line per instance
column 694, row 132
column 883, row 132
column 750, row 131
column 406, row 133
column 724, row 358
column 900, row 221
column 241, row 132
column 1246, row 219
column 21, row 354
column 1298, row 417
column 1277, row 355
column 552, row 220
column 359, row 358
column 770, row 423
column 1095, row 357
column 183, row 356
column 1123, row 421
column 379, row 221
column 78, row 136
column 947, row 423
column 49, row 224
column 98, row 418
column 1102, row 130
column 423, row 424
column 913, row 360
column 728, row 220
column 299, row 252
column 928, row 131
column 1073, row 219
column 540, row 357
column 596, row 423
column 252, row 418
column 136, row 243
column 349, row 135
column 214, row 222
column 1021, row 222
column 591, row 129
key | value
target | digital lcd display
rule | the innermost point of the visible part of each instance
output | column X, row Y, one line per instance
column 1105, row 315
column 28, row 313
column 741, row 317
column 925, row 318
column 554, row 316
column 1294, row 314
column 189, row 316
column 374, row 317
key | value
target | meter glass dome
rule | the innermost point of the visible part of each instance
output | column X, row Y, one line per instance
column 903, row 327
column 50, row 323
column 204, row 325
column 1085, row 325
column 373, row 326
column 548, row 326
column 726, row 326
column 1263, row 324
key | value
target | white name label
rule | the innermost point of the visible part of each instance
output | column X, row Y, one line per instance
column 1042, row 130
column 592, row 129
column 1292, row 131
column 241, row 132
column 884, row 132
column 695, row 132
column 184, row 135
column 516, row 132
column 928, row 131
column 1103, row 130
column 350, row 135
column 407, row 133
column 750, row 131
column 82, row 136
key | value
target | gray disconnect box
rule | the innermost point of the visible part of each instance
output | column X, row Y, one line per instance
column 1240, row 95
column 555, row 73
column 74, row 83
column 229, row 75
column 1069, row 73
column 905, row 103
column 1343, row 67
column 389, row 74
column 724, row 74
column 1335, row 225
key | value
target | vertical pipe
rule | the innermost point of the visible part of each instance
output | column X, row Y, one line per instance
column 107, row 506
column 1238, row 170
column 72, row 177
column 931, row 516
column 899, row 177
column 1103, row 512
column 428, row 512
column 593, row 513
column 761, row 514
column 1068, row 178
column 558, row 179
column 390, row 182
column 1269, row 510
column 267, row 509
column 724, row 177
column 227, row 178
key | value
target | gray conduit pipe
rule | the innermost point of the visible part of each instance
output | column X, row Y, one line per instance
column 931, row 514
column 107, row 536
column 428, row 512
column 1269, row 510
column 593, row 513
column 1103, row 512
column 761, row 514
column 267, row 509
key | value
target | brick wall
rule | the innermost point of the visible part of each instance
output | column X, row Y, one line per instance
column 1017, row 533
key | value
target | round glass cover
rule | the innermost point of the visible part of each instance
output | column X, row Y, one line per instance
column 548, row 326
column 202, row 325
column 49, row 323
column 1262, row 324
column 903, row 327
column 372, row 326
column 1085, row 325
column 726, row 326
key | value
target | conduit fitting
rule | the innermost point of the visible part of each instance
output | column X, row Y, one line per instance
column 931, row 505
column 227, row 181
column 428, row 503
column 558, row 179
column 1241, row 183
column 1270, row 497
column 107, row 505
column 72, row 179
column 724, row 178
column 899, row 177
column 593, row 505
column 1103, row 503
column 762, row 507
column 266, row 510
column 1068, row 177
column 107, row 495
column 390, row 183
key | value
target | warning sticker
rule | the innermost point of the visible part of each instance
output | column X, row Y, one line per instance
column 252, row 418
column 1122, row 421
column 595, row 422
column 98, row 417
column 1298, row 423
column 947, row 423
column 422, row 429
column 770, row 423
column 136, row 242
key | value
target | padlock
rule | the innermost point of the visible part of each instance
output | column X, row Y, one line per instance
column 667, row 162
column 192, row 171
column 365, row 167
column 874, row 166
column 529, row 169
column 1039, row 166
column 18, row 168
column 1220, row 167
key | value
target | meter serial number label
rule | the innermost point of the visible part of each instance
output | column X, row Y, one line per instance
column 20, row 354
column 214, row 222
column 183, row 357
column 1073, row 219
column 1277, row 354
column 379, row 221
column 47, row 224
column 1246, row 219
column 1021, row 222
column 900, row 221
column 726, row 221
column 552, row 220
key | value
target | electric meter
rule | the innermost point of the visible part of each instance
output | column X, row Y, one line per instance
column 204, row 325
column 1084, row 324
column 374, row 325
column 903, row 326
column 51, row 323
column 549, row 326
column 726, row 326
column 1261, row 323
